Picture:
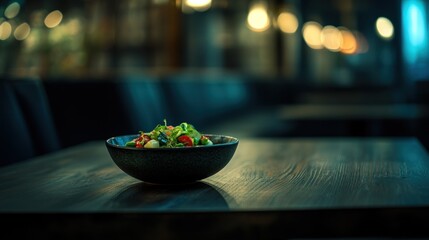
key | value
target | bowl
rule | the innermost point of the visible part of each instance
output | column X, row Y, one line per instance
column 172, row 165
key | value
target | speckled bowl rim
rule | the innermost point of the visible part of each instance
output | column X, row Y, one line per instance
column 233, row 142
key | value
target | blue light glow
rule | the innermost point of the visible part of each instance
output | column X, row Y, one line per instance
column 414, row 31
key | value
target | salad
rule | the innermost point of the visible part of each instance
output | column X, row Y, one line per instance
column 183, row 135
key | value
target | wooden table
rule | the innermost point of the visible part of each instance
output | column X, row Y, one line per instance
column 304, row 187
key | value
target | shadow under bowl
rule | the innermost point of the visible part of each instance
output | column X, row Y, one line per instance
column 172, row 165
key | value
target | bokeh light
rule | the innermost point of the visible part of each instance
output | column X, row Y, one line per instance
column 22, row 31
column 53, row 19
column 415, row 31
column 199, row 5
column 331, row 38
column 258, row 19
column 384, row 28
column 287, row 22
column 12, row 10
column 349, row 44
column 311, row 32
column 5, row 30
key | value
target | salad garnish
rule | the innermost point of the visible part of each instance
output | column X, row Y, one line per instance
column 164, row 135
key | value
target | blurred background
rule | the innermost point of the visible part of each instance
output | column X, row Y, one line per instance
column 78, row 70
column 334, row 42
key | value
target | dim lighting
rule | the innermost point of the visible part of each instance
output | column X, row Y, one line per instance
column 199, row 5
column 73, row 26
column 33, row 39
column 362, row 43
column 287, row 22
column 160, row 1
column 12, row 10
column 258, row 19
column 57, row 34
column 331, row 38
column 5, row 30
column 311, row 32
column 53, row 19
column 22, row 31
column 384, row 28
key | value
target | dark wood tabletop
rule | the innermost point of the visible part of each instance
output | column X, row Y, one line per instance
column 303, row 187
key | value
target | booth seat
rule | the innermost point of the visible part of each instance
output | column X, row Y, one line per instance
column 86, row 110
column 93, row 109
column 26, row 123
column 204, row 98
column 42, row 116
column 144, row 102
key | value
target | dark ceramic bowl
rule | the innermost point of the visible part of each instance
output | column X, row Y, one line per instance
column 172, row 165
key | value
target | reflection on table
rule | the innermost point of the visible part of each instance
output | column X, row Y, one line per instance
column 303, row 187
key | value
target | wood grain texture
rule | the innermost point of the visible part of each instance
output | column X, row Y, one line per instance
column 264, row 175
column 287, row 188
column 272, row 174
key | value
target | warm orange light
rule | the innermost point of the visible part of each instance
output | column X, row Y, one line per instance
column 258, row 19
column 331, row 38
column 5, row 30
column 53, row 19
column 288, row 23
column 349, row 44
column 199, row 5
column 22, row 31
column 311, row 32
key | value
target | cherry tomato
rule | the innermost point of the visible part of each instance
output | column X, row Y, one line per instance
column 186, row 140
column 139, row 144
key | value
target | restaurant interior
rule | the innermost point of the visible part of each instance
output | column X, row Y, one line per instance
column 76, row 71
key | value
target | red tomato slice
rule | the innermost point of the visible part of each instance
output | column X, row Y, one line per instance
column 186, row 140
column 139, row 144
